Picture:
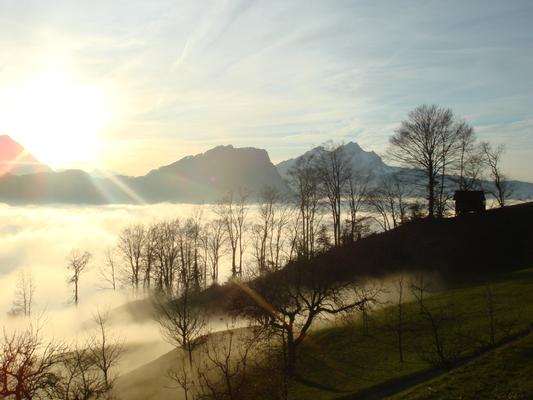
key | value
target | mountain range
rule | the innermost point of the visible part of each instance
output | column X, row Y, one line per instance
column 364, row 162
column 204, row 177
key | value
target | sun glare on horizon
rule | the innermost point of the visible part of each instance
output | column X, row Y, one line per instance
column 57, row 119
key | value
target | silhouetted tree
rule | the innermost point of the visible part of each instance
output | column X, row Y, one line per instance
column 269, row 233
column 167, row 252
column 470, row 161
column 502, row 188
column 430, row 140
column 419, row 287
column 335, row 173
column 80, row 380
column 357, row 195
column 105, row 351
column 233, row 211
column 28, row 365
column 88, row 368
column 185, row 376
column 131, row 245
column 182, row 324
column 214, row 241
column 446, row 344
column 149, row 255
column 389, row 201
column 288, row 305
column 223, row 371
column 262, row 230
column 189, row 244
column 108, row 273
column 77, row 263
column 24, row 294
column 304, row 180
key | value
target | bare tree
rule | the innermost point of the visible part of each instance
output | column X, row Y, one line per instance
column 389, row 201
column 77, row 263
column 470, row 160
column 167, row 253
column 24, row 293
column 233, row 212
column 108, row 273
column 446, row 344
column 419, row 288
column 189, row 244
column 215, row 240
column 289, row 305
column 86, row 368
column 335, row 173
column 184, row 377
column 149, row 255
column 502, row 188
column 28, row 365
column 357, row 194
column 31, row 368
column 80, row 380
column 269, row 233
column 430, row 141
column 263, row 229
column 280, row 241
column 293, row 234
column 131, row 245
column 304, row 180
column 452, row 141
column 182, row 324
column 223, row 374
column 105, row 351
column 235, row 364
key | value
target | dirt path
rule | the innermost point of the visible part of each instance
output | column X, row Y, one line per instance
column 396, row 386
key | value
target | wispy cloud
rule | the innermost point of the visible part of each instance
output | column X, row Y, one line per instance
column 188, row 75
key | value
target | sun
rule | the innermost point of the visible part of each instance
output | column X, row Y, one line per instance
column 56, row 119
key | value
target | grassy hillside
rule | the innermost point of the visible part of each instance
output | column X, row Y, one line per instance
column 341, row 361
column 345, row 361
column 504, row 373
column 150, row 381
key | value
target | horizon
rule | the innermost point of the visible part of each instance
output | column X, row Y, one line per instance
column 275, row 163
column 169, row 80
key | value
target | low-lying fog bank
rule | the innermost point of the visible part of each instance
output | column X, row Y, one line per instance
column 36, row 241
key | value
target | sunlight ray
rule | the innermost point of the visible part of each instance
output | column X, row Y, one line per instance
column 7, row 166
column 123, row 187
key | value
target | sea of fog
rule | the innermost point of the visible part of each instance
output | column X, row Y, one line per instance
column 38, row 240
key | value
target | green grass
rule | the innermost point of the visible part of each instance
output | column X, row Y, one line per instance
column 505, row 373
column 342, row 360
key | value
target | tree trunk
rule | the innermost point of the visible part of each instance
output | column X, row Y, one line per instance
column 291, row 356
column 431, row 197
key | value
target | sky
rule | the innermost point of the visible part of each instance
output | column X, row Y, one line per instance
column 128, row 86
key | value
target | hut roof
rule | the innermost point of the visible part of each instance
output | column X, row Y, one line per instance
column 469, row 195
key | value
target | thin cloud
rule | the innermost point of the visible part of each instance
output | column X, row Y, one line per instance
column 203, row 73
